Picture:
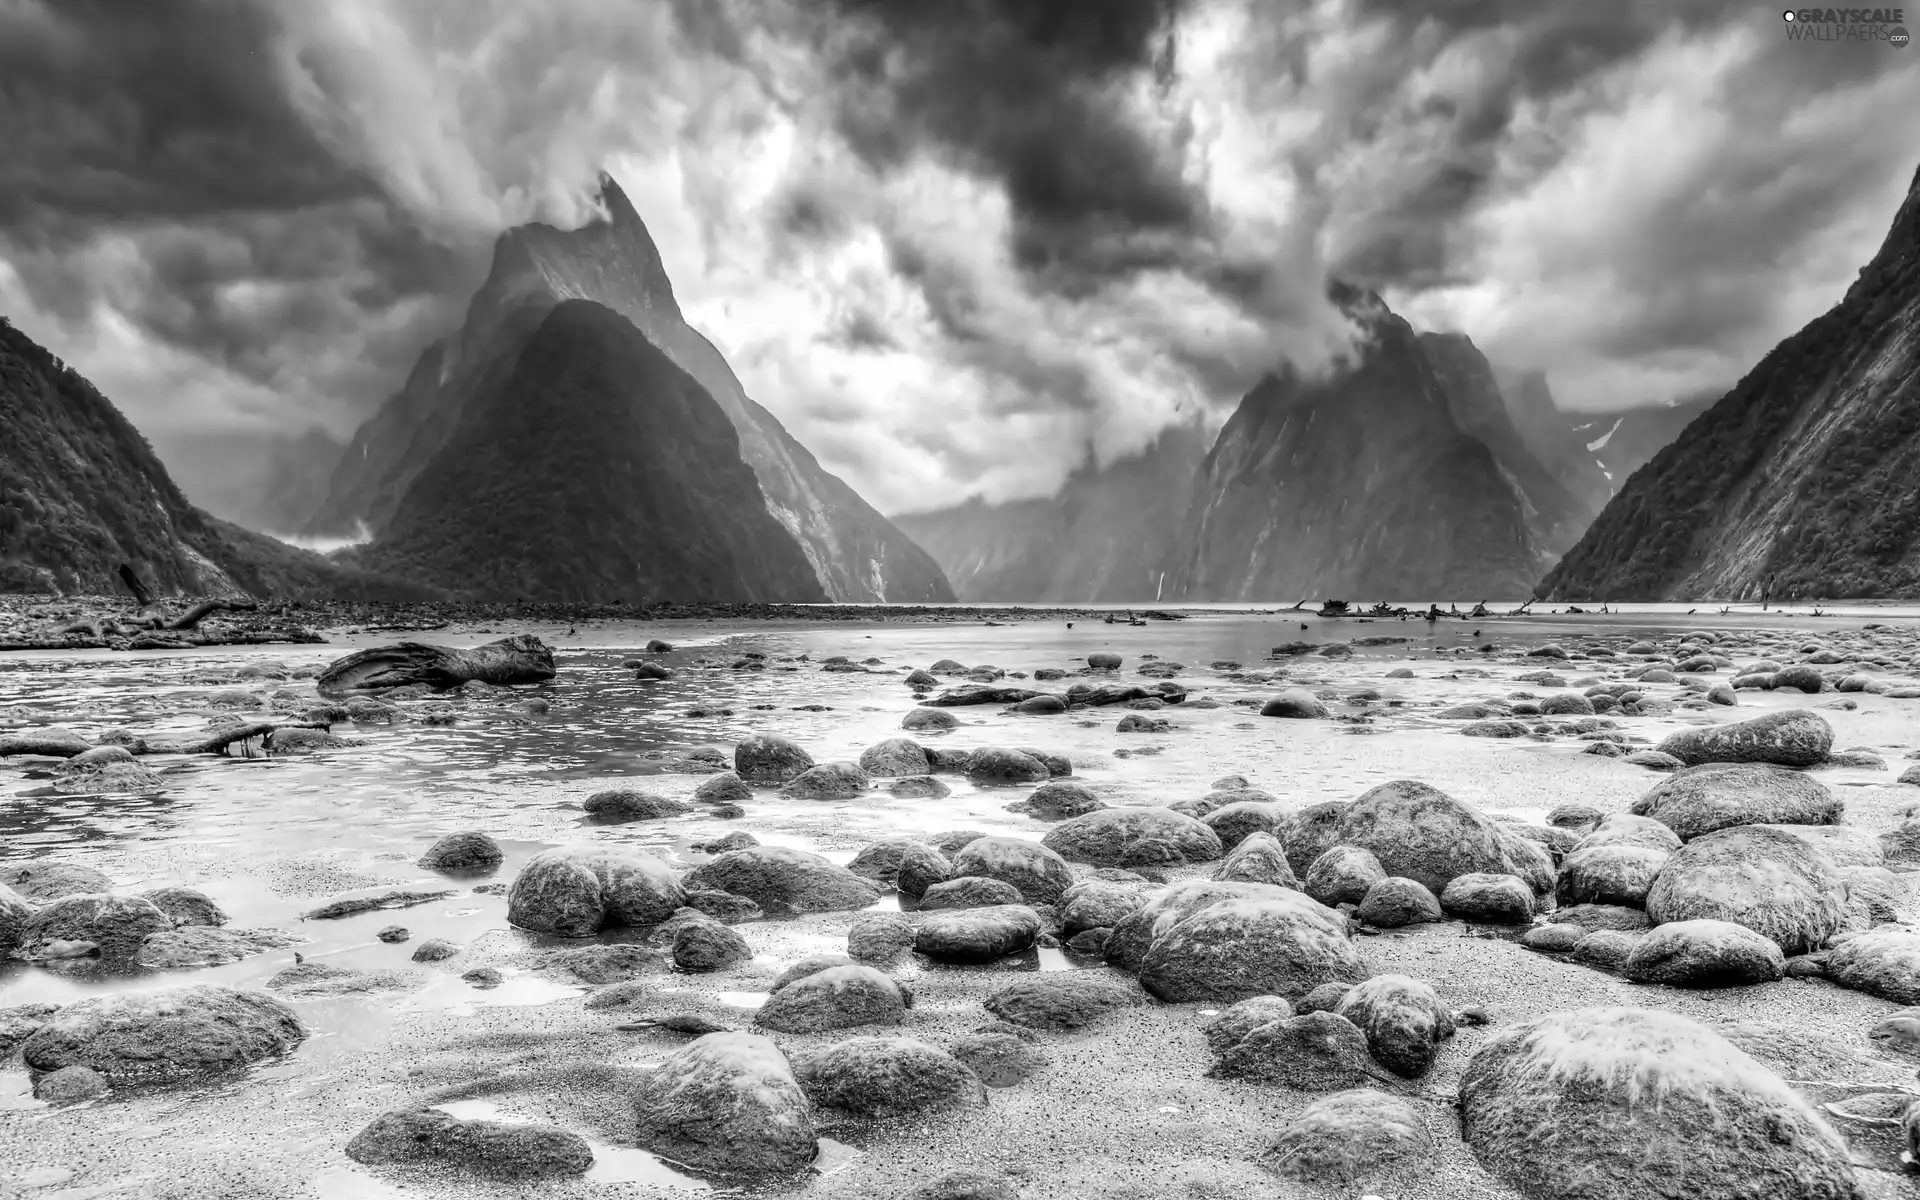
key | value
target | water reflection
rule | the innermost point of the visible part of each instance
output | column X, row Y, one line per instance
column 271, row 838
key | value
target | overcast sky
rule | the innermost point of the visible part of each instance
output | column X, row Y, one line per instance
column 951, row 244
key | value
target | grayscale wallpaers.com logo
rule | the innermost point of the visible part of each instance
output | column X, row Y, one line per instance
column 1847, row 25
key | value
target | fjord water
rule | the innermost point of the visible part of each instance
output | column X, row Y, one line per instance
column 271, row 839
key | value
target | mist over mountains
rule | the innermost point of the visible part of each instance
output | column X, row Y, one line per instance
column 988, row 268
column 575, row 440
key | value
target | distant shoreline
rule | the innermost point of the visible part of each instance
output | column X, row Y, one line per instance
column 17, row 610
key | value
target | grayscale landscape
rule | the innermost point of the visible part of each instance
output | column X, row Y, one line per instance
column 994, row 601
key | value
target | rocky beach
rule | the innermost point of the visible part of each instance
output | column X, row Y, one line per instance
column 1242, row 904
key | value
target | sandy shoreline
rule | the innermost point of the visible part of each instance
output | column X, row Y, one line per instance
column 1124, row 1108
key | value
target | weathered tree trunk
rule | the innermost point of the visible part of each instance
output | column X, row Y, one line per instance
column 192, row 617
column 215, row 743
column 522, row 658
column 141, row 596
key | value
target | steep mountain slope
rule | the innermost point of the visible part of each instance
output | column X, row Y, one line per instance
column 594, row 470
column 856, row 553
column 1361, row 486
column 1554, row 516
column 1803, row 481
column 81, row 492
column 1592, row 453
column 1104, row 537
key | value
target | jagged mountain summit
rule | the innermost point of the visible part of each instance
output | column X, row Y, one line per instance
column 81, row 493
column 1803, row 481
column 854, row 552
column 1361, row 485
column 1103, row 537
column 595, row 470
column 1592, row 454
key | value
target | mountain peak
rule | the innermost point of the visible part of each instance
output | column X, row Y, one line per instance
column 620, row 211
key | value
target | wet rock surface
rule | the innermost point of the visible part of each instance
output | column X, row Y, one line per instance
column 1769, row 881
column 975, row 936
column 884, row 1077
column 165, row 1034
column 1790, row 739
column 727, row 1103
column 576, row 891
column 1347, row 1137
column 496, row 1149
column 838, row 997
column 1554, row 1103
column 1716, row 796
column 1214, row 1095
column 784, row 880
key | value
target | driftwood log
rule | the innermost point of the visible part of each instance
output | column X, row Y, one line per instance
column 55, row 746
column 193, row 616
column 141, row 596
column 522, row 658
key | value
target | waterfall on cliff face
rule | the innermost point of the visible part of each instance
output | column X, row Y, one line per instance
column 1159, row 587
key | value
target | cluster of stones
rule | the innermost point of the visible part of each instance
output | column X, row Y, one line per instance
column 54, row 912
column 269, row 718
column 1636, row 677
column 1735, row 869
column 1270, row 935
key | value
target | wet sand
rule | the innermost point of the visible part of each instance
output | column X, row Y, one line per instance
column 1123, row 1110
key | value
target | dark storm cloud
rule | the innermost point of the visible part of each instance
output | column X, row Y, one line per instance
column 1024, row 93
column 122, row 109
column 1530, row 51
column 157, row 134
column 284, row 200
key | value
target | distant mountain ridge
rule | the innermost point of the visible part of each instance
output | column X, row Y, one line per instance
column 1803, row 481
column 1593, row 453
column 854, row 552
column 1103, row 537
column 1405, row 474
column 81, row 492
column 1553, row 513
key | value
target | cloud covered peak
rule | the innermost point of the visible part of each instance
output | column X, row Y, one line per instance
column 949, row 245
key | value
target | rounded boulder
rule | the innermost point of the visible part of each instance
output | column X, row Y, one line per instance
column 575, row 891
column 1285, row 946
column 1796, row 738
column 1620, row 1103
column 1769, row 881
column 1489, row 899
column 1703, row 954
column 976, row 936
column 1421, row 833
column 1036, row 869
column 769, row 758
column 882, row 1077
column 1108, row 838
column 169, row 1034
column 894, row 758
column 727, row 1103
column 840, row 997
column 784, row 881
column 1715, row 796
